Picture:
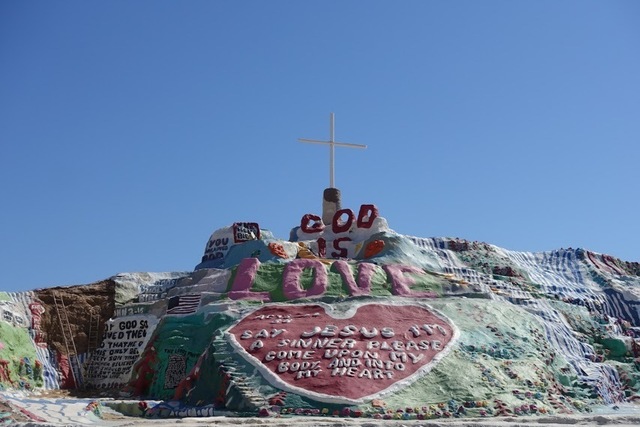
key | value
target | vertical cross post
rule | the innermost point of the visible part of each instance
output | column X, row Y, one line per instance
column 332, row 156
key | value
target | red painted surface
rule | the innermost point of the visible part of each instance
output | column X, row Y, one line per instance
column 309, row 351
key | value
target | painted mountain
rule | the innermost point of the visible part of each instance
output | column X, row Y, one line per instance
column 347, row 318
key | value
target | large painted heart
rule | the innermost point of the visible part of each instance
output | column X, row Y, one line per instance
column 343, row 353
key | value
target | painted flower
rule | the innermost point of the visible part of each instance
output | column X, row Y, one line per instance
column 278, row 250
column 373, row 248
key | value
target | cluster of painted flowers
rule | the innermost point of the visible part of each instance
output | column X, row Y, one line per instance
column 450, row 409
column 502, row 409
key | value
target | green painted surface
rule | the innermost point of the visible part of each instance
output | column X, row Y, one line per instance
column 269, row 278
column 18, row 356
column 178, row 338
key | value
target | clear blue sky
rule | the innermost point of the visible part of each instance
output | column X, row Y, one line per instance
column 129, row 131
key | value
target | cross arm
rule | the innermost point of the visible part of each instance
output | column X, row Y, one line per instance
column 340, row 144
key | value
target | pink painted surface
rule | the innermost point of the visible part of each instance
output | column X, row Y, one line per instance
column 306, row 350
column 291, row 279
column 401, row 283
column 245, row 276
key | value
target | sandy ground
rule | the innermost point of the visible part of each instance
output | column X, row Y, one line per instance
column 60, row 409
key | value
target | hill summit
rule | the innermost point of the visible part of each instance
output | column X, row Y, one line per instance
column 346, row 317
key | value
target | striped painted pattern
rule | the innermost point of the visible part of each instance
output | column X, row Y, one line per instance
column 590, row 280
column 44, row 355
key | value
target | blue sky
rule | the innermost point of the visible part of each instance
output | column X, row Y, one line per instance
column 130, row 131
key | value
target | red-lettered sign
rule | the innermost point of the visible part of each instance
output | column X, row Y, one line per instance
column 343, row 354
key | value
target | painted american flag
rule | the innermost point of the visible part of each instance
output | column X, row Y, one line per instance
column 183, row 304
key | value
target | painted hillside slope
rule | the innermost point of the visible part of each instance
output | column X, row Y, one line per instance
column 349, row 317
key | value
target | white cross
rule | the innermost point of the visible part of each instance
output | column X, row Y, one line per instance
column 332, row 144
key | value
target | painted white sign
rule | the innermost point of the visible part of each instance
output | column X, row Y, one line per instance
column 123, row 342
